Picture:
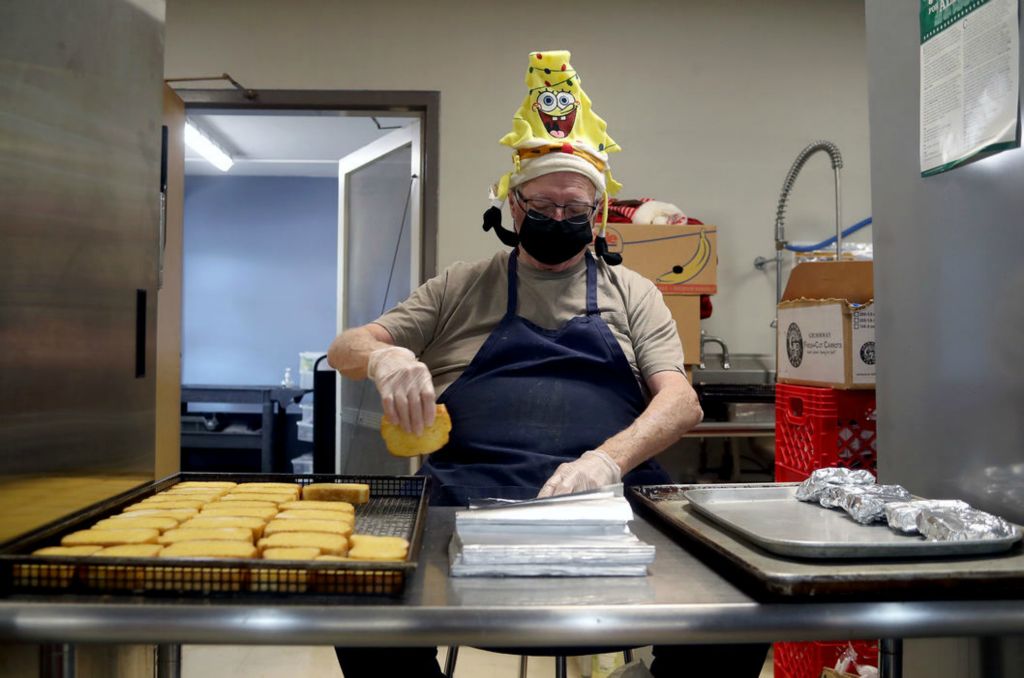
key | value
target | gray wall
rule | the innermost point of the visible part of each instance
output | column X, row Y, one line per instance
column 260, row 276
column 950, row 287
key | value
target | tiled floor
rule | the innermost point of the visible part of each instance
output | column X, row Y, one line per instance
column 292, row 662
column 230, row 661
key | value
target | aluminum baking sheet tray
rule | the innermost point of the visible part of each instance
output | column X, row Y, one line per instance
column 775, row 520
column 761, row 572
column 772, row 518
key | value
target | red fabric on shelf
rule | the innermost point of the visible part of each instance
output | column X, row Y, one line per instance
column 706, row 308
column 621, row 211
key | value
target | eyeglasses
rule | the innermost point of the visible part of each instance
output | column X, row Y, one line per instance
column 542, row 208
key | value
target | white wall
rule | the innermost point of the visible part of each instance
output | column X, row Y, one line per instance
column 711, row 101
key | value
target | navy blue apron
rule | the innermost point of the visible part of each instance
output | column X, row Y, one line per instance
column 532, row 399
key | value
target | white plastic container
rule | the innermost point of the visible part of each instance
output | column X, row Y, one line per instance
column 307, row 413
column 307, row 360
column 305, row 431
column 303, row 464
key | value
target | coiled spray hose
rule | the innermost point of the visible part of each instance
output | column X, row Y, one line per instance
column 787, row 186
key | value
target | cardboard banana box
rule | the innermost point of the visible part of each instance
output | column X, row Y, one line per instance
column 678, row 259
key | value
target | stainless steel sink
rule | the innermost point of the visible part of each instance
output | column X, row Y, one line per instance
column 743, row 393
column 745, row 368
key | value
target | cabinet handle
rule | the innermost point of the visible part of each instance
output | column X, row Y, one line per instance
column 162, row 233
column 140, row 333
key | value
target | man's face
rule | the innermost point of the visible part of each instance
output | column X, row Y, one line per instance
column 560, row 187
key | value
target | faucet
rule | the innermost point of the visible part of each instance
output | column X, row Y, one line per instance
column 780, row 213
column 708, row 339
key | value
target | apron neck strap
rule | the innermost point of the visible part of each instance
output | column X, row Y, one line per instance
column 513, row 299
column 592, row 308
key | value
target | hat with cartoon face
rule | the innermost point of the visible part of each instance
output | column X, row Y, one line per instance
column 556, row 129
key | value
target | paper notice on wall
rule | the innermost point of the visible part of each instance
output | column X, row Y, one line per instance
column 969, row 80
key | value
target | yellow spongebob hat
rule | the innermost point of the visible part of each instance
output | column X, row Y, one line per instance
column 556, row 129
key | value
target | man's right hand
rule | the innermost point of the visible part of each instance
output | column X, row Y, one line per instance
column 406, row 389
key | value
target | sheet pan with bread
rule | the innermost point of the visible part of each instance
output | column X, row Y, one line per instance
column 235, row 534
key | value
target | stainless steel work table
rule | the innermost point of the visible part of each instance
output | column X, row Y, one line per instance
column 732, row 429
column 682, row 601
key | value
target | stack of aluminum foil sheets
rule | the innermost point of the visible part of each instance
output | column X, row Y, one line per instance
column 578, row 535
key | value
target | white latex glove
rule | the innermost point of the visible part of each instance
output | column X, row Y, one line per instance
column 406, row 389
column 592, row 470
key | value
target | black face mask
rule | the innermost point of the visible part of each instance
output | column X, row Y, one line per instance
column 552, row 241
column 549, row 241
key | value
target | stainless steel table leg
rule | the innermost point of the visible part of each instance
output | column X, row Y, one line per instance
column 449, row 661
column 890, row 658
column 168, row 660
column 57, row 660
column 267, row 434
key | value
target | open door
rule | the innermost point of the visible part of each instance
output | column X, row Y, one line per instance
column 379, row 243
column 168, row 310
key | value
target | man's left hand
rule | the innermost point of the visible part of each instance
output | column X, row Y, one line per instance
column 592, row 470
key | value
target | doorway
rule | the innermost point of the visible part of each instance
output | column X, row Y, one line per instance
column 256, row 290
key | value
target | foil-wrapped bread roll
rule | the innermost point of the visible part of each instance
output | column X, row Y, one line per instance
column 811, row 489
column 866, row 503
column 959, row 524
column 902, row 515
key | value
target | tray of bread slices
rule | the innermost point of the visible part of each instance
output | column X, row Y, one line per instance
column 232, row 534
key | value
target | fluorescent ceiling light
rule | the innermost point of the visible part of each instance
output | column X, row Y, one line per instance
column 201, row 144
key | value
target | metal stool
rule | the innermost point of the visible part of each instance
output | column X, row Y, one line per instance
column 560, row 664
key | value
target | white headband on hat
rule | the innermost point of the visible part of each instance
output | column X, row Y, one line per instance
column 549, row 163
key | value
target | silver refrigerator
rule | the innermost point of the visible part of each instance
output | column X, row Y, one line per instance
column 80, row 157
column 949, row 278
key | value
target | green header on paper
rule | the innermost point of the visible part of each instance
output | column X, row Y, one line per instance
column 991, row 149
column 938, row 15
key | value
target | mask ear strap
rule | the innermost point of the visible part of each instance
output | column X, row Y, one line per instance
column 601, row 243
column 492, row 219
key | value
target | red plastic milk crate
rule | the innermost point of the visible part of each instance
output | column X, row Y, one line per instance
column 819, row 427
column 806, row 660
column 815, row 428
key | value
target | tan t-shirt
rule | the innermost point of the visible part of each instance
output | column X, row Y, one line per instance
column 447, row 319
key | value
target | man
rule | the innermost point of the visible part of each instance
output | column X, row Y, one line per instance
column 548, row 393
column 560, row 371
column 546, row 399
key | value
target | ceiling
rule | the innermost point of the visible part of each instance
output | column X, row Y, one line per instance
column 286, row 143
